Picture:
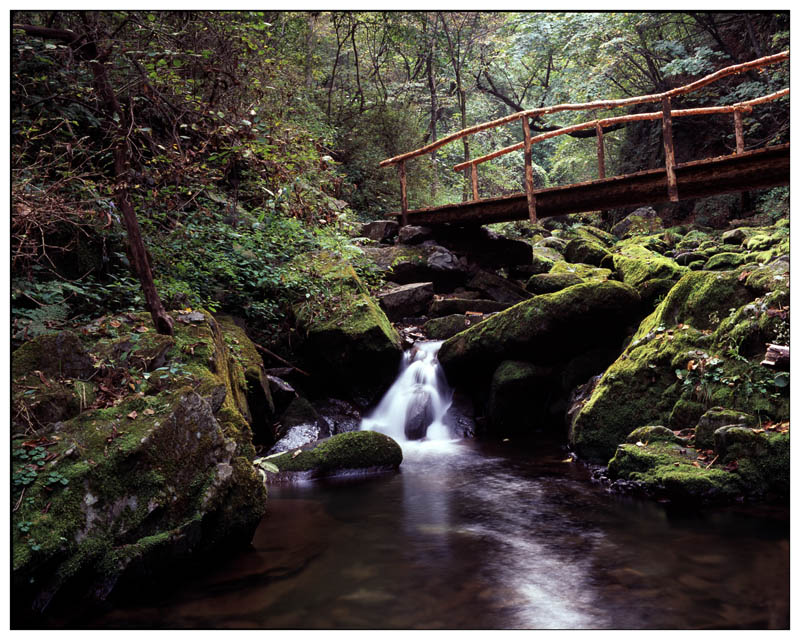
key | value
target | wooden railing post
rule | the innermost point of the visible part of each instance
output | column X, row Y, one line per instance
column 401, row 168
column 737, row 123
column 474, row 168
column 601, row 154
column 669, row 150
column 526, row 133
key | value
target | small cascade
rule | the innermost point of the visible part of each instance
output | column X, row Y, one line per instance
column 415, row 405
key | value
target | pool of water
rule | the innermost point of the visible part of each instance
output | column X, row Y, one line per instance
column 474, row 536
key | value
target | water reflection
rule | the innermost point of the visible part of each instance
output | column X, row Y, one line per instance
column 471, row 536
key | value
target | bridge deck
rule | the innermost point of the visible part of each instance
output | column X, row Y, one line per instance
column 750, row 170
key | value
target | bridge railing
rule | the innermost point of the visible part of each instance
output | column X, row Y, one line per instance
column 665, row 115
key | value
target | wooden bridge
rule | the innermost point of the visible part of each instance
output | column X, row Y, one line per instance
column 741, row 171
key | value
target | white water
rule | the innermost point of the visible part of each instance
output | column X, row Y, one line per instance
column 420, row 395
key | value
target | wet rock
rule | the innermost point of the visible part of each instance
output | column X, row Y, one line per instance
column 354, row 451
column 380, row 230
column 282, row 393
column 419, row 414
column 485, row 247
column 340, row 415
column 518, row 398
column 498, row 288
column 412, row 234
column 460, row 417
column 407, row 300
column 405, row 264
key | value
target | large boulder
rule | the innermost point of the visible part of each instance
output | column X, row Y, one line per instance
column 380, row 230
column 543, row 330
column 407, row 301
column 350, row 342
column 586, row 252
column 498, row 288
column 355, row 451
column 680, row 360
column 405, row 264
column 156, row 472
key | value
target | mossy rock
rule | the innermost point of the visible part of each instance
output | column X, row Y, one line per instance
column 143, row 483
column 595, row 234
column 59, row 354
column 543, row 329
column 725, row 261
column 446, row 326
column 667, row 470
column 351, row 340
column 581, row 250
column 638, row 387
column 541, row 283
column 354, row 450
column 587, row 272
column 652, row 433
column 715, row 418
column 541, row 263
column 636, row 265
column 685, row 413
column 761, row 459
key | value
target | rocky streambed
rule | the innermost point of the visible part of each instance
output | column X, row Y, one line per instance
column 638, row 348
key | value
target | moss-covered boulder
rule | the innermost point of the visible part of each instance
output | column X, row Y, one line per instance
column 362, row 451
column 585, row 252
column 585, row 271
column 670, row 470
column 350, row 342
column 542, row 330
column 652, row 433
column 636, row 265
column 715, row 418
column 447, row 326
column 551, row 282
column 684, row 358
column 725, row 260
column 155, row 471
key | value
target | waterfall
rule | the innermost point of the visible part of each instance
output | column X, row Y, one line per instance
column 415, row 405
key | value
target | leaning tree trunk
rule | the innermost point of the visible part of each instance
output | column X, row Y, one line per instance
column 86, row 48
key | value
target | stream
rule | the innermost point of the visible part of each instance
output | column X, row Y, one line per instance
column 481, row 535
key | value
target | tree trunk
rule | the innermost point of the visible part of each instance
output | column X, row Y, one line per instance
column 86, row 48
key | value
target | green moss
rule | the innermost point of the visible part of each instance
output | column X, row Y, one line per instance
column 542, row 329
column 725, row 260
column 685, row 413
column 666, row 469
column 653, row 433
column 551, row 282
column 583, row 251
column 351, row 450
column 636, row 265
column 583, row 271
